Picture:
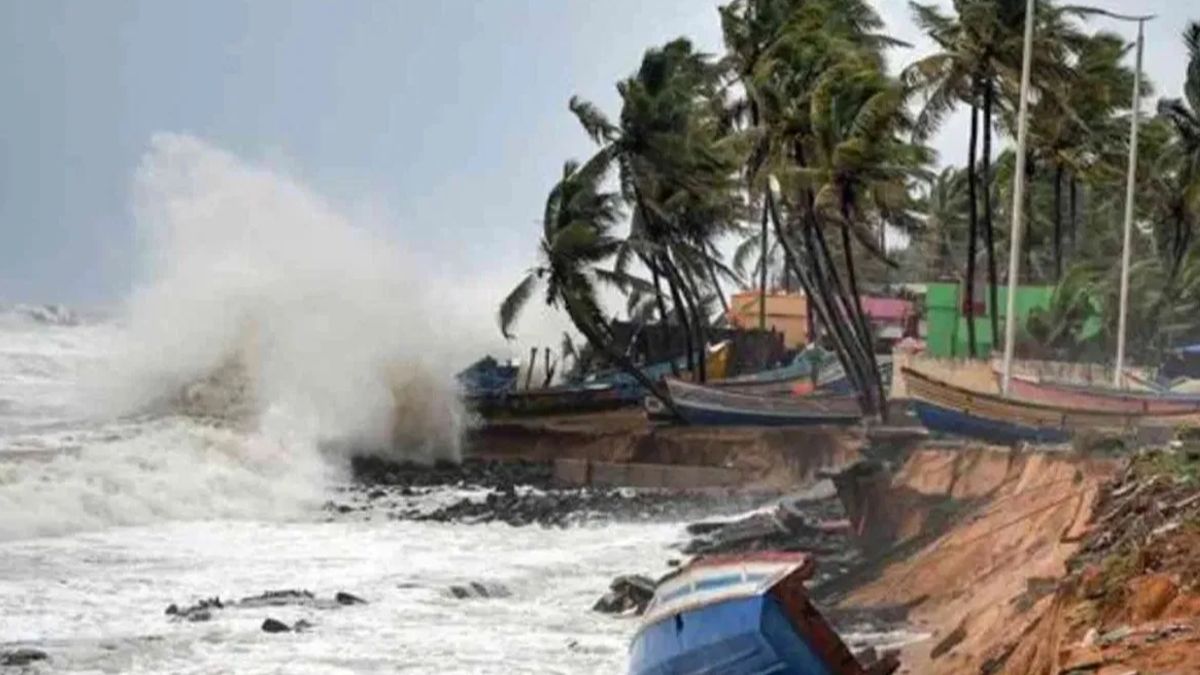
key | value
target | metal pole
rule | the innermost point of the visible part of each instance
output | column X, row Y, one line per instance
column 1135, row 116
column 1014, row 247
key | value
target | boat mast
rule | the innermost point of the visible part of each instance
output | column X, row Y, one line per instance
column 1018, row 213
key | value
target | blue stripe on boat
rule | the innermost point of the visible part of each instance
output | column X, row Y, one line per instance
column 710, row 584
column 938, row 418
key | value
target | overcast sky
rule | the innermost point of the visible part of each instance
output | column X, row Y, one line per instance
column 445, row 120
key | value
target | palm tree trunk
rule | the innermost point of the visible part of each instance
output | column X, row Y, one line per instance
column 666, row 343
column 864, row 327
column 989, row 231
column 716, row 283
column 762, row 273
column 1058, row 229
column 691, row 300
column 972, row 234
column 599, row 344
column 1072, row 221
column 822, row 300
column 680, row 312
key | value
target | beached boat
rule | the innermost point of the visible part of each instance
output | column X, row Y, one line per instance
column 1100, row 398
column 740, row 614
column 951, row 409
column 710, row 406
column 549, row 401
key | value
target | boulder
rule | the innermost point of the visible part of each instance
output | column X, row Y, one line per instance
column 22, row 656
column 344, row 598
column 275, row 626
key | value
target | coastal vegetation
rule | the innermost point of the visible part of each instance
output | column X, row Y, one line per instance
column 798, row 157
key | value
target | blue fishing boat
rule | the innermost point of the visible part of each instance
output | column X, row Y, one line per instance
column 738, row 615
column 947, row 408
column 709, row 406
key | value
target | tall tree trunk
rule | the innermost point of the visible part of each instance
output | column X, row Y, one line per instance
column 864, row 327
column 691, row 298
column 1058, row 229
column 764, row 252
column 666, row 343
column 680, row 311
column 989, row 230
column 1072, row 221
column 1027, row 218
column 716, row 283
column 972, row 234
column 821, row 299
column 590, row 333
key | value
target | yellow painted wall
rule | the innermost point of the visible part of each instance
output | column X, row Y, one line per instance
column 787, row 313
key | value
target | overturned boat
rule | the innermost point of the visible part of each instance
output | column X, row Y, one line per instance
column 741, row 614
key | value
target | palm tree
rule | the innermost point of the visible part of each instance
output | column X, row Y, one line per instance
column 790, row 80
column 576, row 237
column 941, row 238
column 979, row 64
column 1183, row 114
column 677, row 169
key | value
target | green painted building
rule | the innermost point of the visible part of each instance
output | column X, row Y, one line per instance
column 946, row 322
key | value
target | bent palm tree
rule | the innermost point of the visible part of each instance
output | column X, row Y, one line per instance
column 576, row 238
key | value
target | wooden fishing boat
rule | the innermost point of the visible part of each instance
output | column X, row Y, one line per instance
column 737, row 615
column 948, row 408
column 1099, row 398
column 549, row 401
column 709, row 406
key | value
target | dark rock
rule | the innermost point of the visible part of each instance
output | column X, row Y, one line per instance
column 275, row 626
column 626, row 592
column 201, row 611
column 376, row 494
column 344, row 598
column 22, row 656
column 477, row 589
column 278, row 598
column 198, row 616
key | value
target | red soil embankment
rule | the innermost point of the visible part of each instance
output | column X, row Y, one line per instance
column 992, row 529
column 768, row 457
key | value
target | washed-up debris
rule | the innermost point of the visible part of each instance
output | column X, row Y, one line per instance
column 1155, row 494
column 814, row 527
column 628, row 592
column 479, row 589
column 22, row 656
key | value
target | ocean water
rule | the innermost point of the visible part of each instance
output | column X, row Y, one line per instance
column 106, row 521
column 182, row 446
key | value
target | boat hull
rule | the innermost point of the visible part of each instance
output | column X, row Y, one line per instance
column 738, row 615
column 739, row 637
column 1101, row 399
column 707, row 406
column 946, row 420
column 944, row 407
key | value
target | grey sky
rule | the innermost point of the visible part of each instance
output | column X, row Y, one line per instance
column 445, row 120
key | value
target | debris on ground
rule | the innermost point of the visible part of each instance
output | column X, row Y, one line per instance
column 627, row 593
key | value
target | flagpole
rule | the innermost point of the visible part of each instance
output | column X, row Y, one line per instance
column 1018, row 212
